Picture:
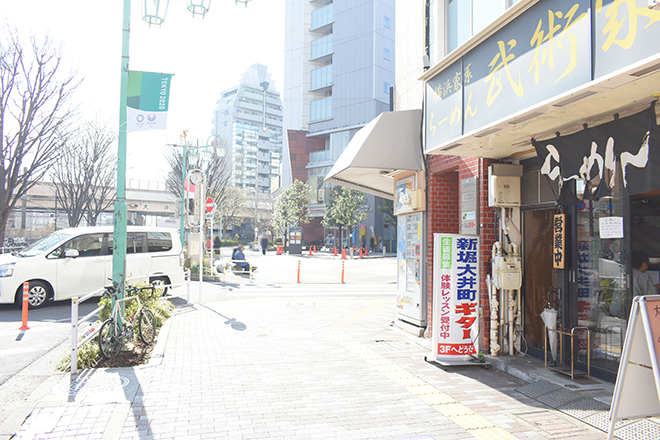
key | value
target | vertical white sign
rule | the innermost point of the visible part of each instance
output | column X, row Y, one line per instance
column 455, row 296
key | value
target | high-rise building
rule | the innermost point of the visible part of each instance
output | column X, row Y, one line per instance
column 338, row 70
column 249, row 119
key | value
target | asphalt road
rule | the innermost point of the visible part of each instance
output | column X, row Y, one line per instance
column 30, row 356
column 50, row 326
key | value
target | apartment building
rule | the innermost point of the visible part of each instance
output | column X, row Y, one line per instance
column 339, row 68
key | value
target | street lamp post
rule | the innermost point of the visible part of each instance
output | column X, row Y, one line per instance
column 184, row 158
column 153, row 13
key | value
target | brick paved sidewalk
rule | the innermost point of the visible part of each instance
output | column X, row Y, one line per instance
column 292, row 364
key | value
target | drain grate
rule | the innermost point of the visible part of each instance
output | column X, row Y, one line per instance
column 558, row 398
column 583, row 408
column 638, row 430
column 537, row 389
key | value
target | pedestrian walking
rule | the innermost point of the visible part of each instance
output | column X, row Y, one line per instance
column 264, row 244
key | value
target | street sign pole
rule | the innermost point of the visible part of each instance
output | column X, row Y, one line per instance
column 211, row 239
column 209, row 209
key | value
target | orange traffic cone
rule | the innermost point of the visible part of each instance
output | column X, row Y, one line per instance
column 366, row 251
column 334, row 251
column 314, row 248
column 310, row 251
column 279, row 251
column 343, row 254
column 361, row 256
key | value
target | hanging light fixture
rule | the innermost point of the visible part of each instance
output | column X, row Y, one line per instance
column 199, row 6
column 154, row 11
column 245, row 2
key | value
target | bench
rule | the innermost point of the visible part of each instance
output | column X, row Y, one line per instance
column 228, row 265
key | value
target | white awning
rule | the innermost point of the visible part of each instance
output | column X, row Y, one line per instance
column 390, row 142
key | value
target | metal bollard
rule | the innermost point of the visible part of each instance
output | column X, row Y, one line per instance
column 26, row 290
column 74, row 335
column 188, row 288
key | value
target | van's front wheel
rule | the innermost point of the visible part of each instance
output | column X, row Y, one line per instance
column 38, row 294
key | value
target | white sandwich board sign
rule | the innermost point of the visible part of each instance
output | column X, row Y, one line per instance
column 637, row 388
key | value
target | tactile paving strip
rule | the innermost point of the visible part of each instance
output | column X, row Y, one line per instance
column 537, row 389
column 641, row 429
column 583, row 408
column 477, row 425
column 558, row 398
column 601, row 421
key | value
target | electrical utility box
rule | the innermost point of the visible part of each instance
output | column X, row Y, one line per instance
column 504, row 185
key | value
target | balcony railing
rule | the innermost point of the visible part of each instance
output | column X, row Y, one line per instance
column 322, row 17
column 322, row 46
column 320, row 156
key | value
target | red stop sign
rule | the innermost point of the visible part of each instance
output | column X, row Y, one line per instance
column 209, row 205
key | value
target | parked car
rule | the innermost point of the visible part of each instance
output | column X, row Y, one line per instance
column 76, row 261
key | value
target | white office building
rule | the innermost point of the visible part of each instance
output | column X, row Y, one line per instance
column 249, row 118
column 339, row 67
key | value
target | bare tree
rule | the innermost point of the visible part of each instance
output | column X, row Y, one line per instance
column 103, row 172
column 230, row 208
column 85, row 172
column 33, row 116
column 228, row 199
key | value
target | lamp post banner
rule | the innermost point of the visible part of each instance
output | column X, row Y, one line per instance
column 147, row 100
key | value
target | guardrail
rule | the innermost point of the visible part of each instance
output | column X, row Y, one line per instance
column 92, row 331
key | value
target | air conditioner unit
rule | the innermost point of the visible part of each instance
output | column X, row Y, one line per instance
column 504, row 185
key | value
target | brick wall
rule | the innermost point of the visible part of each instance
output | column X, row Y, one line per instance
column 313, row 232
column 299, row 148
column 443, row 215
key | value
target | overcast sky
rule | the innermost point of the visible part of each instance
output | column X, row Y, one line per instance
column 205, row 55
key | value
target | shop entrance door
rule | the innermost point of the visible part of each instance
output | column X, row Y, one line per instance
column 600, row 296
column 540, row 277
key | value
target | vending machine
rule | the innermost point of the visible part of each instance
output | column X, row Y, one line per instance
column 411, row 291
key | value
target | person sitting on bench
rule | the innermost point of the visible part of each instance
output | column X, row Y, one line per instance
column 239, row 260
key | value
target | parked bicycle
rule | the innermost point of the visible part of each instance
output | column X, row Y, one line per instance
column 117, row 329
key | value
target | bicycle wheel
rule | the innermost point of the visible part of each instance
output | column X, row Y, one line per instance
column 147, row 326
column 110, row 339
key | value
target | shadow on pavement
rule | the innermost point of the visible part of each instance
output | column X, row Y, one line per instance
column 236, row 325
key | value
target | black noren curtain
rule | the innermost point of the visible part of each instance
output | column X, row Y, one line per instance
column 629, row 145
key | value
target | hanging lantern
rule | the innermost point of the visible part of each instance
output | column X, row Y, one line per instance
column 154, row 11
column 199, row 6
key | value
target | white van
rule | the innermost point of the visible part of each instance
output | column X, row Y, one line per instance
column 77, row 261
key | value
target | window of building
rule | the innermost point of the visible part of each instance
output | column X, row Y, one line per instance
column 321, row 77
column 466, row 18
column 322, row 46
column 322, row 16
column 386, row 21
column 386, row 87
column 386, row 54
column 321, row 109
